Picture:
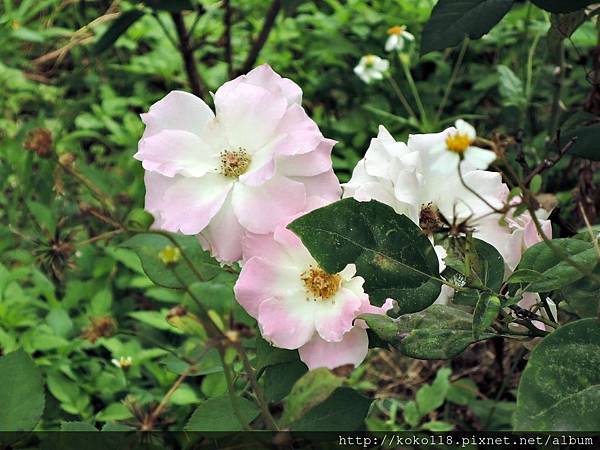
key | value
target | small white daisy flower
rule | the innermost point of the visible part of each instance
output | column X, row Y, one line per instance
column 458, row 146
column 398, row 37
column 124, row 362
column 371, row 67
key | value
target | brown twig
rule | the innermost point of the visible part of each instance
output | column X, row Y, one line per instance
column 262, row 37
column 187, row 53
column 549, row 162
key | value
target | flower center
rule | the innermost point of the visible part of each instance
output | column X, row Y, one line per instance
column 397, row 30
column 320, row 284
column 370, row 60
column 458, row 142
column 234, row 162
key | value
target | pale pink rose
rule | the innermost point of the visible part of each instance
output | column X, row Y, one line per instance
column 245, row 168
column 513, row 235
column 300, row 306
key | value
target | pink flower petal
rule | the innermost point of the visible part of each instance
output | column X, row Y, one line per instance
column 223, row 235
column 177, row 111
column 172, row 152
column 335, row 317
column 260, row 209
column 352, row 349
column 325, row 185
column 249, row 115
column 185, row 204
column 285, row 325
column 308, row 164
column 301, row 133
column 265, row 77
column 261, row 279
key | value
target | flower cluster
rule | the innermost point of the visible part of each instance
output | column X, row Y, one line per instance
column 238, row 176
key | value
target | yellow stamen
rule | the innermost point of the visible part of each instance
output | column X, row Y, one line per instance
column 397, row 30
column 458, row 142
column 320, row 284
column 234, row 162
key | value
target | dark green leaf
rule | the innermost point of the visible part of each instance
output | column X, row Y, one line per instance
column 149, row 245
column 21, row 393
column 217, row 414
column 485, row 313
column 557, row 272
column 583, row 296
column 267, row 355
column 116, row 29
column 77, row 426
column 390, row 252
column 280, row 378
column 562, row 6
column 487, row 266
column 586, row 144
column 439, row 332
column 560, row 387
column 344, row 410
column 453, row 20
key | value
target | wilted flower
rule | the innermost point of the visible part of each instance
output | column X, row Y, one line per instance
column 246, row 168
column 397, row 38
column 40, row 142
column 124, row 362
column 298, row 305
column 371, row 67
column 458, row 146
column 104, row 326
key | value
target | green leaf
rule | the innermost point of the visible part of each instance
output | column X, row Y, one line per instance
column 453, row 20
column 511, row 87
column 114, row 411
column 310, row 390
column 462, row 392
column 557, row 272
column 344, row 410
column 536, row 184
column 583, row 296
column 487, row 266
column 155, row 319
column 149, row 245
column 390, row 252
column 437, row 426
column 525, row 276
column 217, row 414
column 43, row 215
column 22, row 393
column 431, row 397
column 562, row 6
column 412, row 415
column 439, row 332
column 267, row 355
column 485, row 313
column 586, row 143
column 280, row 378
column 560, row 387
column 116, row 29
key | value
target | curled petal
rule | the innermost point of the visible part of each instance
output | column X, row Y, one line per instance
column 352, row 349
column 178, row 110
